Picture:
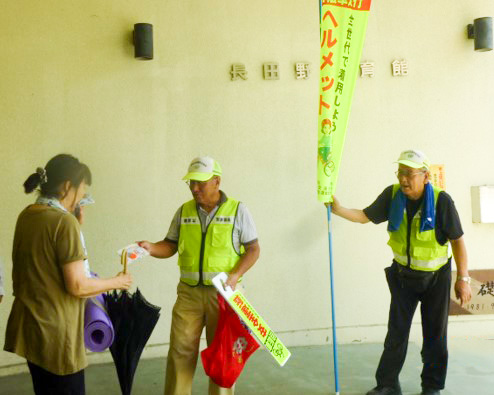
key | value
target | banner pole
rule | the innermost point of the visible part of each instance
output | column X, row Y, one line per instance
column 333, row 315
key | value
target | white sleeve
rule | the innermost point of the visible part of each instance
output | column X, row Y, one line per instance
column 174, row 230
column 246, row 225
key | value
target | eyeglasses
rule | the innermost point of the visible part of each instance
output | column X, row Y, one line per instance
column 200, row 184
column 407, row 174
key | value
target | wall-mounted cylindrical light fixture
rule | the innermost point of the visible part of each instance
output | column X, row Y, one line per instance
column 143, row 41
column 481, row 32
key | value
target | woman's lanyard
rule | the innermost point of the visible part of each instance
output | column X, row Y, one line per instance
column 52, row 202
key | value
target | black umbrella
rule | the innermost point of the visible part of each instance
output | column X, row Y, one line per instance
column 133, row 319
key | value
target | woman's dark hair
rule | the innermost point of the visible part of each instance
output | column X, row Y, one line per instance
column 59, row 169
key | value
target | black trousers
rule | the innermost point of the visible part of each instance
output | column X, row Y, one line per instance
column 46, row 383
column 434, row 296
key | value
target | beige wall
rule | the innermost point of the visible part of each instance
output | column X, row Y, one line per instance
column 69, row 83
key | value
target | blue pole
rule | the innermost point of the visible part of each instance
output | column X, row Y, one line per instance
column 320, row 18
column 333, row 320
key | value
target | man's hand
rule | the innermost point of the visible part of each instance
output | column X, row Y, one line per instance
column 335, row 206
column 160, row 249
column 148, row 246
column 351, row 214
column 463, row 291
column 247, row 260
column 232, row 280
column 462, row 288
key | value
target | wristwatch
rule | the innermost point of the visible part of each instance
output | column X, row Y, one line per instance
column 464, row 278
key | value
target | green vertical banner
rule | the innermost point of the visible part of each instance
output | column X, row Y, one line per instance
column 343, row 26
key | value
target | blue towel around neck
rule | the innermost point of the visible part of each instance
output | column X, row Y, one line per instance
column 398, row 206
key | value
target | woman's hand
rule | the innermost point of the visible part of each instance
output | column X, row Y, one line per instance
column 124, row 281
column 79, row 214
column 77, row 284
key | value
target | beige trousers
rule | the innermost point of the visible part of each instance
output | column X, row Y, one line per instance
column 195, row 308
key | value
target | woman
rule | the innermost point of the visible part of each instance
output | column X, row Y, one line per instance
column 45, row 325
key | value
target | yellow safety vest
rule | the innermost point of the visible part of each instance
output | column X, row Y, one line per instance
column 201, row 256
column 425, row 253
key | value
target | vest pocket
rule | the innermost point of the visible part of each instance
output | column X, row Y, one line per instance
column 186, row 263
column 397, row 247
column 219, row 264
column 424, row 253
column 428, row 235
column 220, row 236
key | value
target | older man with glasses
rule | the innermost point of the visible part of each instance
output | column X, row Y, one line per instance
column 212, row 233
column 422, row 221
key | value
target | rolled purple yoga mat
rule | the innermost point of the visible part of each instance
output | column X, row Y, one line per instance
column 98, row 328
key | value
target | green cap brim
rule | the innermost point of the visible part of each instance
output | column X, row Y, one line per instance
column 412, row 164
column 198, row 176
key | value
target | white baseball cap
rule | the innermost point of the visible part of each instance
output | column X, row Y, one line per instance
column 414, row 158
column 202, row 168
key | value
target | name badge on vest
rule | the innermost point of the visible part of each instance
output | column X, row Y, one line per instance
column 224, row 220
column 189, row 221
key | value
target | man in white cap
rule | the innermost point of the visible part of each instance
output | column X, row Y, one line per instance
column 422, row 221
column 212, row 233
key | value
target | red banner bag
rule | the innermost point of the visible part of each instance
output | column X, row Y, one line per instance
column 232, row 345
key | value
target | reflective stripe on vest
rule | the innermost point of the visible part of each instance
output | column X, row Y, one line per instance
column 202, row 256
column 426, row 254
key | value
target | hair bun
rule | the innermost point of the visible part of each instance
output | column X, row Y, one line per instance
column 42, row 175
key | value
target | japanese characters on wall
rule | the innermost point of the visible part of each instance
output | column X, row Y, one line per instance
column 482, row 302
column 437, row 176
column 398, row 68
column 270, row 71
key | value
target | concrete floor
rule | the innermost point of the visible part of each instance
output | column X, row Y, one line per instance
column 309, row 371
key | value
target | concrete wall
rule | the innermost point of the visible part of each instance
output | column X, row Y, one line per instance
column 69, row 83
